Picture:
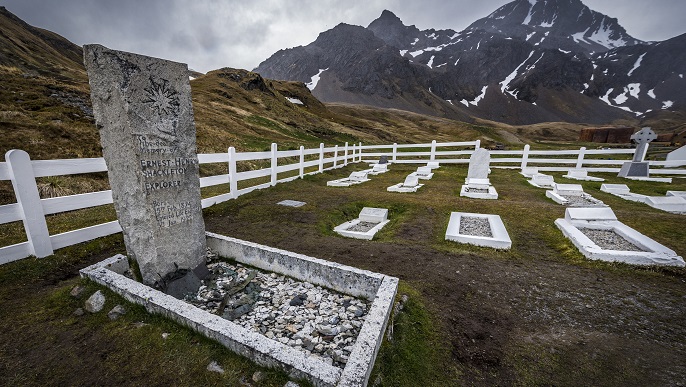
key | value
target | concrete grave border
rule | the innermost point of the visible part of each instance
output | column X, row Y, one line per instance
column 576, row 218
column 491, row 194
column 499, row 240
column 654, row 179
column 378, row 288
column 342, row 229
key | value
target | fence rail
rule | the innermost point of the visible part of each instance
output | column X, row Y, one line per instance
column 31, row 210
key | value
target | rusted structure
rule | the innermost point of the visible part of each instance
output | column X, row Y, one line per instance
column 615, row 135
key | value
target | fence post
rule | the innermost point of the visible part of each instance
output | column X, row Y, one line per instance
column 395, row 151
column 302, row 161
column 321, row 157
column 273, row 164
column 28, row 199
column 477, row 144
column 433, row 151
column 335, row 156
column 360, row 149
column 233, row 184
column 525, row 156
column 580, row 160
column 345, row 155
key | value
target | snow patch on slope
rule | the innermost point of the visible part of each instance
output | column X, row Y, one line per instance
column 476, row 100
column 637, row 64
column 315, row 79
column 506, row 82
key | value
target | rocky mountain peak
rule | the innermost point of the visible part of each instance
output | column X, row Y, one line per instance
column 566, row 24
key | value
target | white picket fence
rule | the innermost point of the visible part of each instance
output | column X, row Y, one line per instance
column 32, row 210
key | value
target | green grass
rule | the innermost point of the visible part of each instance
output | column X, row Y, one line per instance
column 427, row 349
column 416, row 355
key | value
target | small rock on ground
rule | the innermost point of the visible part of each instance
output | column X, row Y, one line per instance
column 215, row 367
column 79, row 312
column 77, row 291
column 96, row 302
column 291, row 384
column 116, row 312
column 259, row 376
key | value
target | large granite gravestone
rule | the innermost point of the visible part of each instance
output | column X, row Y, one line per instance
column 142, row 107
column 478, row 164
column 637, row 167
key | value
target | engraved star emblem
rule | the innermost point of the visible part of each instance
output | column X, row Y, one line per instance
column 161, row 97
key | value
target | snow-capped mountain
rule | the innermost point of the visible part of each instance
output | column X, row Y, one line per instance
column 565, row 24
column 528, row 61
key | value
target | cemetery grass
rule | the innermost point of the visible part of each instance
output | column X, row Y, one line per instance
column 539, row 314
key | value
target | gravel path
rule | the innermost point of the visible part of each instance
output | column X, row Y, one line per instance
column 309, row 318
column 609, row 240
column 475, row 226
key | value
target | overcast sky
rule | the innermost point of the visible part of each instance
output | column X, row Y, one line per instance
column 210, row 34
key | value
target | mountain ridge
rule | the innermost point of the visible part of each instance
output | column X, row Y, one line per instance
column 449, row 73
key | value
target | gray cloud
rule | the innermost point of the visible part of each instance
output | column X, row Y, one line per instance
column 219, row 33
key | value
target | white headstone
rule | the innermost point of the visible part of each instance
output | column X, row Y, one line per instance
column 424, row 171
column 615, row 188
column 411, row 181
column 358, row 176
column 568, row 189
column 590, row 214
column 142, row 106
column 373, row 215
column 478, row 164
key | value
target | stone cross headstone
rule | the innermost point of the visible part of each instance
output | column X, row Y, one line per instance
column 143, row 109
column 637, row 167
column 642, row 138
column 478, row 164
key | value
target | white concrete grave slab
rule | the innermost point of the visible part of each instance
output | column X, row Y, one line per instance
column 615, row 188
column 424, row 173
column 541, row 180
column 581, row 174
column 572, row 195
column 357, row 177
column 291, row 203
column 433, row 164
column 370, row 221
column 378, row 169
column 589, row 227
column 377, row 288
column 529, row 172
column 479, row 193
column 496, row 236
column 411, row 184
column 673, row 204
column 653, row 179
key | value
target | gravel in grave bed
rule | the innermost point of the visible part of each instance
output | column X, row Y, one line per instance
column 309, row 318
column 609, row 240
column 582, row 201
column 475, row 226
column 362, row 227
